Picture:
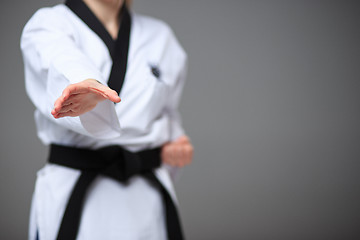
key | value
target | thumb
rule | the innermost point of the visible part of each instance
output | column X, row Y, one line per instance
column 112, row 95
column 107, row 93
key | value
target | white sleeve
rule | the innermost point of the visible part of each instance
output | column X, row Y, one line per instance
column 179, row 59
column 177, row 129
column 52, row 61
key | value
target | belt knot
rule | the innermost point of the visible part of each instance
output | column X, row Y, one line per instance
column 121, row 164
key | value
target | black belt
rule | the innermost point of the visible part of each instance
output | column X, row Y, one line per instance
column 114, row 162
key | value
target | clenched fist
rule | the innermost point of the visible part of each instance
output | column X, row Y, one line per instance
column 177, row 153
column 82, row 97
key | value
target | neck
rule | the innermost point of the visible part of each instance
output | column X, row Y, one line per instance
column 107, row 11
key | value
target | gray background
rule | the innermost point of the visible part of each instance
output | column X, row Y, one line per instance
column 271, row 105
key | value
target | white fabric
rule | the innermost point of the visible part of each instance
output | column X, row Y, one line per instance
column 59, row 49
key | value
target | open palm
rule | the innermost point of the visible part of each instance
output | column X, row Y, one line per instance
column 82, row 97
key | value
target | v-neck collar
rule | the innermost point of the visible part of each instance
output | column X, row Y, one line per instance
column 89, row 18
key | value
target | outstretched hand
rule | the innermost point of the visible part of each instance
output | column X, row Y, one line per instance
column 79, row 98
column 177, row 153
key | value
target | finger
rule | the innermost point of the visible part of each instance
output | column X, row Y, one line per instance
column 113, row 96
column 179, row 155
column 98, row 92
column 66, row 103
column 182, row 156
column 66, row 108
column 107, row 93
column 60, row 104
column 74, row 99
column 66, row 114
column 170, row 155
column 65, row 93
column 63, row 99
column 188, row 154
column 57, row 105
column 110, row 93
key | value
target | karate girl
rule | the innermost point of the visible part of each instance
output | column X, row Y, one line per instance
column 106, row 84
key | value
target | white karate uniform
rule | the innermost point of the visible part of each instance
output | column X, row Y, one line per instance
column 60, row 49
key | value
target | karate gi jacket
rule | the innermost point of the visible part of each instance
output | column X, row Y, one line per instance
column 60, row 49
